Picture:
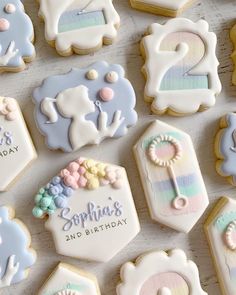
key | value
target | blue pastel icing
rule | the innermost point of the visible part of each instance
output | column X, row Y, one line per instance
column 14, row 242
column 57, row 134
column 224, row 220
column 20, row 31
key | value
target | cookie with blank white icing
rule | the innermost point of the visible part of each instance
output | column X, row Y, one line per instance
column 85, row 106
column 180, row 67
column 220, row 231
column 89, row 209
column 225, row 148
column 16, row 254
column 163, row 7
column 69, row 280
column 17, row 151
column 160, row 273
column 79, row 26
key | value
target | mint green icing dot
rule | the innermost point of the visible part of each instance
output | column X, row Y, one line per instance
column 45, row 202
column 37, row 212
column 42, row 190
column 52, row 206
column 50, row 211
column 38, row 198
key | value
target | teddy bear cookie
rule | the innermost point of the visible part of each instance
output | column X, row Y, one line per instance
column 79, row 26
column 220, row 231
column 180, row 67
column 69, row 280
column 171, row 176
column 88, row 205
column 233, row 56
column 225, row 148
column 16, row 47
column 160, row 273
column 16, row 254
column 163, row 7
column 16, row 148
column 85, row 106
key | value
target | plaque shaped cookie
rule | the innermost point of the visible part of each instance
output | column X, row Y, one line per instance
column 171, row 176
column 160, row 273
column 220, row 231
column 16, row 147
column 164, row 7
column 15, row 252
column 79, row 26
column 180, row 67
column 16, row 46
column 225, row 148
column 69, row 280
column 90, row 209
column 85, row 106
column 233, row 56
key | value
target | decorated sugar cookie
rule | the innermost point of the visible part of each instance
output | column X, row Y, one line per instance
column 233, row 56
column 88, row 204
column 180, row 67
column 16, row 148
column 171, row 177
column 220, row 230
column 163, row 7
column 160, row 273
column 15, row 252
column 85, row 106
column 68, row 280
column 79, row 26
column 225, row 148
column 16, row 46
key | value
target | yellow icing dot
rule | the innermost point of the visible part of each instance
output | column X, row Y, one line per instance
column 93, row 183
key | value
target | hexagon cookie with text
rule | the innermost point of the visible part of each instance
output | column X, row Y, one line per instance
column 90, row 209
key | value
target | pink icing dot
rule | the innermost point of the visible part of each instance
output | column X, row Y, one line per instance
column 64, row 173
column 82, row 181
column 70, row 181
column 11, row 116
column 73, row 166
column 106, row 94
column 82, row 170
column 11, row 106
column 4, row 24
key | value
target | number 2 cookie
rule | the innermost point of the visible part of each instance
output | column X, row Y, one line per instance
column 16, row 46
column 171, row 177
column 80, row 26
column 90, row 209
column 163, row 7
column 180, row 67
column 160, row 273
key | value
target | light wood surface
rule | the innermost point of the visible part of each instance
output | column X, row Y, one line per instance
column 202, row 127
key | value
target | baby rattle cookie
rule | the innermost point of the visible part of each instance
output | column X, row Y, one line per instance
column 85, row 106
column 16, row 46
column 171, row 8
column 180, row 67
column 233, row 56
column 15, row 252
column 79, row 26
column 88, row 204
column 220, row 231
column 171, row 176
column 225, row 148
column 160, row 273
column 16, row 148
column 69, row 280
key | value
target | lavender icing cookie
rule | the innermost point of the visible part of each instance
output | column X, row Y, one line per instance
column 85, row 106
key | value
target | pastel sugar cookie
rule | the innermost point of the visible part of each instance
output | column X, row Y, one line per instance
column 164, row 7
column 225, row 148
column 79, row 26
column 160, row 273
column 16, row 254
column 16, row 46
column 85, row 106
column 171, row 177
column 90, row 210
column 220, row 232
column 16, row 148
column 233, row 56
column 180, row 67
column 69, row 280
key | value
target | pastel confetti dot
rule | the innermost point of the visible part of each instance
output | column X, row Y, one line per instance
column 106, row 94
column 10, row 8
column 112, row 77
column 4, row 24
column 92, row 75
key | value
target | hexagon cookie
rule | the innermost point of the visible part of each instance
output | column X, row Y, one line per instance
column 220, row 231
column 160, row 273
column 16, row 147
column 171, row 176
column 90, row 209
column 69, row 280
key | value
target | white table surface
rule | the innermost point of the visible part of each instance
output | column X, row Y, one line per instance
column 202, row 127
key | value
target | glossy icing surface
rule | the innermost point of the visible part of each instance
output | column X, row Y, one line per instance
column 168, row 4
column 171, row 177
column 84, row 107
